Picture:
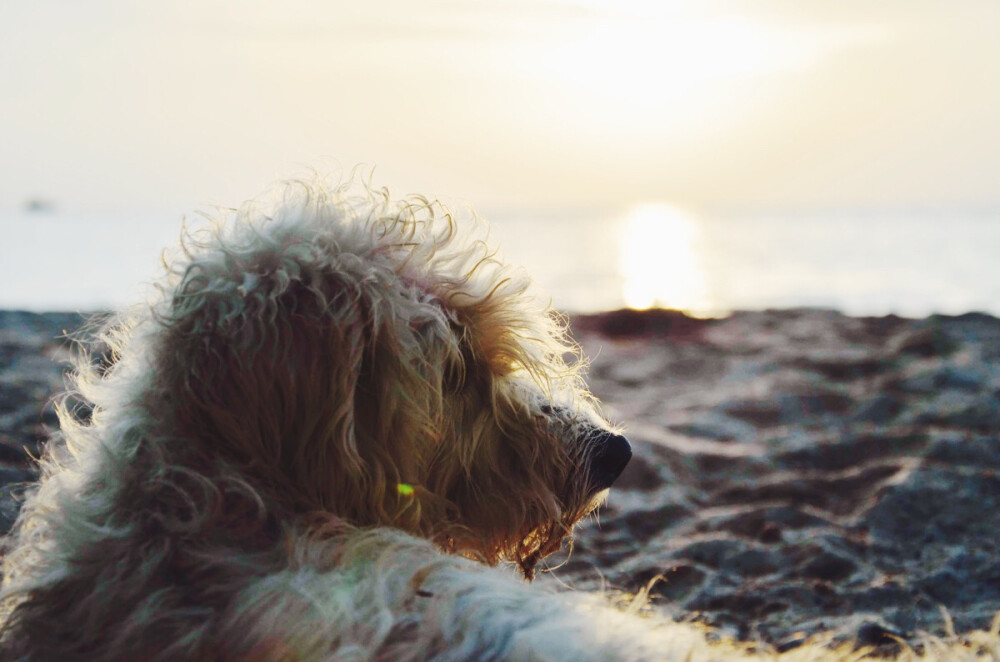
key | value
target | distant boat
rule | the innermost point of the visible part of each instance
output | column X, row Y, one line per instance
column 39, row 206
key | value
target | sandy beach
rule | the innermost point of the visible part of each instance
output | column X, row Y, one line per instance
column 795, row 471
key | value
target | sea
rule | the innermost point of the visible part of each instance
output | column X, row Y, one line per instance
column 908, row 263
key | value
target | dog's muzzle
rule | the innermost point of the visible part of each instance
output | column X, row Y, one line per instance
column 611, row 454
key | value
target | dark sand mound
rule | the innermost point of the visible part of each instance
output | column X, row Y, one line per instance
column 802, row 471
column 33, row 355
column 795, row 471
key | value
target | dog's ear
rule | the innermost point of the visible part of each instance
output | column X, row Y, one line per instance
column 329, row 385
column 265, row 369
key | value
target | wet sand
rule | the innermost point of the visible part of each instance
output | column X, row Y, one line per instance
column 795, row 471
column 801, row 471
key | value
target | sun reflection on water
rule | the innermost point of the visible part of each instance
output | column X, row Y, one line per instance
column 659, row 260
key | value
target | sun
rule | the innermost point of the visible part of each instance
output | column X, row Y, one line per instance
column 635, row 68
column 659, row 260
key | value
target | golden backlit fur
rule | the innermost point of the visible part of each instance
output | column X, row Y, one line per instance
column 339, row 412
column 323, row 363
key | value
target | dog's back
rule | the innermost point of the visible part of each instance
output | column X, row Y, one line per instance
column 317, row 378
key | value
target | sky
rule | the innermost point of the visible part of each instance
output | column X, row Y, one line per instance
column 556, row 104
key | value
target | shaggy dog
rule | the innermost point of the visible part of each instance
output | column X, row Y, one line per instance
column 337, row 415
column 339, row 411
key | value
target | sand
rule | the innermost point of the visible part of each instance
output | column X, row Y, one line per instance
column 795, row 471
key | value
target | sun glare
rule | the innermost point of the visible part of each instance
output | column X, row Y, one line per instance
column 659, row 260
column 670, row 70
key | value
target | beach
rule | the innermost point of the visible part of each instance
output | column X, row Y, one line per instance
column 795, row 472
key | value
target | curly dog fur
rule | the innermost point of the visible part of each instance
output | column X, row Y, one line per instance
column 339, row 410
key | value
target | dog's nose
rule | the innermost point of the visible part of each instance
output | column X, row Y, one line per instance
column 611, row 454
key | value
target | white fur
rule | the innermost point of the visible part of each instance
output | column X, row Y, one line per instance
column 339, row 413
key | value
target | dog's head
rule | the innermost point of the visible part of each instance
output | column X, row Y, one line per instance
column 375, row 362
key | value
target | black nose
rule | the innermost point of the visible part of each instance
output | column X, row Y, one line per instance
column 610, row 455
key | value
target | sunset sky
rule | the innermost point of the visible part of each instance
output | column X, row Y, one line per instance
column 615, row 144
column 546, row 104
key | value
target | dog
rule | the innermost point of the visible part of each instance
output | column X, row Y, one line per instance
column 337, row 414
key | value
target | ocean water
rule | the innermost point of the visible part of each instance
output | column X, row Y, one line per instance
column 907, row 263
